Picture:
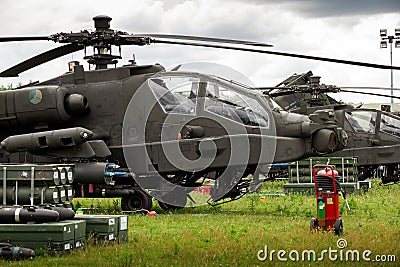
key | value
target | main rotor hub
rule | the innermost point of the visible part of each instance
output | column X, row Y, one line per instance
column 102, row 44
column 102, row 22
column 315, row 80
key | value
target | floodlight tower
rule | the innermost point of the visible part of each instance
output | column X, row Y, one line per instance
column 384, row 40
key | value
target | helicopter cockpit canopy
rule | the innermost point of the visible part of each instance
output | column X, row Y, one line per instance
column 194, row 94
column 373, row 121
column 176, row 94
column 362, row 121
column 390, row 124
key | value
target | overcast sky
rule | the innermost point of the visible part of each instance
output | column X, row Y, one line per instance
column 339, row 29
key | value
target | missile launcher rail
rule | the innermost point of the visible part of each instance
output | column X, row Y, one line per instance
column 301, row 178
column 34, row 184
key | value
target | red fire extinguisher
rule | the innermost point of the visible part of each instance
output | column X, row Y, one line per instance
column 327, row 188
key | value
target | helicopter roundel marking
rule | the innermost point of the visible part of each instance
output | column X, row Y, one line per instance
column 35, row 96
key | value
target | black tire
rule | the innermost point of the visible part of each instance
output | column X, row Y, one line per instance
column 140, row 200
column 313, row 224
column 338, row 227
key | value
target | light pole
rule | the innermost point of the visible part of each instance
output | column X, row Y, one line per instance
column 384, row 40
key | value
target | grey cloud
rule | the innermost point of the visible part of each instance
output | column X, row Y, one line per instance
column 329, row 8
column 289, row 25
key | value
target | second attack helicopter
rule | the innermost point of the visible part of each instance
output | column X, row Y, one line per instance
column 373, row 135
column 138, row 131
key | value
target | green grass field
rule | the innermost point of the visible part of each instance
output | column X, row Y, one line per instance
column 234, row 233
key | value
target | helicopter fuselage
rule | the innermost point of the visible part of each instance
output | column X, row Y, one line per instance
column 101, row 101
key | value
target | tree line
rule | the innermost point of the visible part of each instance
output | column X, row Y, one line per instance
column 9, row 86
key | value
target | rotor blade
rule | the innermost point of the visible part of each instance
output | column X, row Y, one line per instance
column 199, row 38
column 370, row 88
column 23, row 38
column 271, row 88
column 364, row 93
column 282, row 93
column 40, row 59
column 176, row 68
column 348, row 62
column 291, row 91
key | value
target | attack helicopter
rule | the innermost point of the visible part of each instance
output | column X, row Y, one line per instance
column 139, row 131
column 373, row 135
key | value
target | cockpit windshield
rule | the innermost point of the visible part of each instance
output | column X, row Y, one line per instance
column 390, row 125
column 232, row 105
column 362, row 121
column 176, row 94
column 179, row 94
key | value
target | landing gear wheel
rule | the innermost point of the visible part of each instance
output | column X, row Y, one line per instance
column 140, row 200
column 338, row 227
column 313, row 224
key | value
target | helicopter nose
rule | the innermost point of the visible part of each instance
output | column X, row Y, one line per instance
column 324, row 141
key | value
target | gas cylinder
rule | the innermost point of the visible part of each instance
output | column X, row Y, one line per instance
column 321, row 211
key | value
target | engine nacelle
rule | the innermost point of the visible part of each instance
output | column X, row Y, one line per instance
column 76, row 104
column 325, row 140
column 38, row 105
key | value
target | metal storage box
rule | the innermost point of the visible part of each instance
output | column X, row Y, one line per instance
column 56, row 237
column 122, row 228
column 106, row 227
column 79, row 233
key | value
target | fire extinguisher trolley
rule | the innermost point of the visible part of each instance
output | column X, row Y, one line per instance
column 327, row 189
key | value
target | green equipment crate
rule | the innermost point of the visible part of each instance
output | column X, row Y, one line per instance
column 54, row 237
column 122, row 228
column 79, row 233
column 106, row 228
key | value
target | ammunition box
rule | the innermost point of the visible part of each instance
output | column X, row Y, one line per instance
column 122, row 228
column 50, row 238
column 79, row 233
column 106, row 228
